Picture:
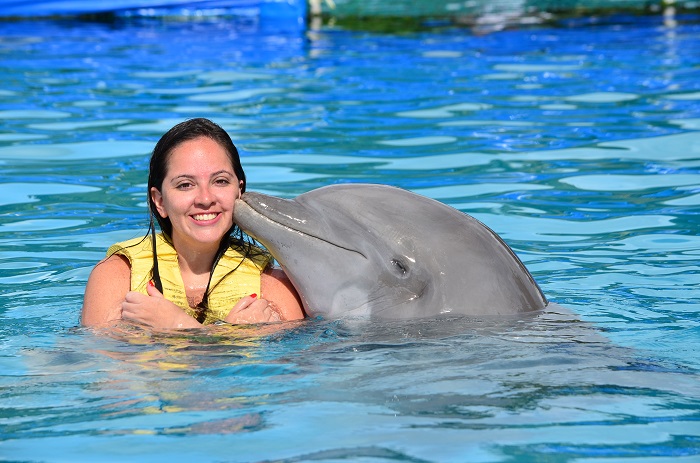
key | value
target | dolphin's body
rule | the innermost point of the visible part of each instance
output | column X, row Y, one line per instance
column 380, row 252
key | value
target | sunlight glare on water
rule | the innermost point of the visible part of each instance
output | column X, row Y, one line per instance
column 578, row 143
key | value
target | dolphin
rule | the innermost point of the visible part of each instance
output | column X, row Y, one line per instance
column 375, row 251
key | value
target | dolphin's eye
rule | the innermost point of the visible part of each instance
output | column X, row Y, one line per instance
column 400, row 266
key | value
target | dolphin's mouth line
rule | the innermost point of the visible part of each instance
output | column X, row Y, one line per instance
column 416, row 295
column 304, row 233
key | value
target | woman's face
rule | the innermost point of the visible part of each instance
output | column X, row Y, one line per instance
column 198, row 193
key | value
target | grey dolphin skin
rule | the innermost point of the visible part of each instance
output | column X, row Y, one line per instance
column 381, row 252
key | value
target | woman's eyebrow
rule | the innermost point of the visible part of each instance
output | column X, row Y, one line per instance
column 181, row 176
column 213, row 174
column 222, row 171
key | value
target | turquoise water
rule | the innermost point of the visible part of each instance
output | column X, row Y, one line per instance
column 578, row 143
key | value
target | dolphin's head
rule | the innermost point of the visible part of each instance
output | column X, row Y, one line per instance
column 383, row 252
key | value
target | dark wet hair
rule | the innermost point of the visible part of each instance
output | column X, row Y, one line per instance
column 234, row 238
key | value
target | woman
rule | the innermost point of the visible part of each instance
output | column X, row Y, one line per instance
column 199, row 269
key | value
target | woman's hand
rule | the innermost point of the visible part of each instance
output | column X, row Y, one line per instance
column 155, row 311
column 250, row 309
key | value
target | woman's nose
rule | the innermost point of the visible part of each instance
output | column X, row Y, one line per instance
column 204, row 197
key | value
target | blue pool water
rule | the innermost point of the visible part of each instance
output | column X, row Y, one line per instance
column 578, row 143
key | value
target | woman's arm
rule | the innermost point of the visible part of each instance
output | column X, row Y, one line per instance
column 105, row 291
column 279, row 301
column 108, row 298
column 155, row 311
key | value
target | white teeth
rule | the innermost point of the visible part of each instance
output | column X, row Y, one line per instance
column 204, row 216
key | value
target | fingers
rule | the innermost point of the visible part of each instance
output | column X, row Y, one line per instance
column 273, row 314
column 149, row 309
column 134, row 306
column 246, row 310
column 244, row 303
column 135, row 303
column 134, row 297
column 250, row 309
column 131, row 302
column 152, row 290
column 155, row 311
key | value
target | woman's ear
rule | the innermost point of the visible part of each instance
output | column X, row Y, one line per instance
column 157, row 198
column 240, row 188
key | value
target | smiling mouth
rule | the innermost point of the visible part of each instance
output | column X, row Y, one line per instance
column 204, row 217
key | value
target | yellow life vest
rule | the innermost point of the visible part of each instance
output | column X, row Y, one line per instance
column 234, row 277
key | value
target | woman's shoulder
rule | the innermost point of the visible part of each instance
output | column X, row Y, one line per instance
column 278, row 289
column 128, row 246
column 114, row 266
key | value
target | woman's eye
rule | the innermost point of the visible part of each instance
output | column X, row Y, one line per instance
column 222, row 181
column 183, row 186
